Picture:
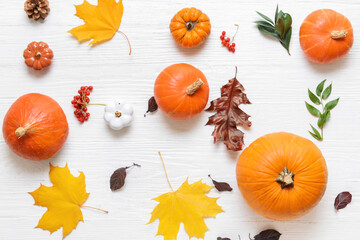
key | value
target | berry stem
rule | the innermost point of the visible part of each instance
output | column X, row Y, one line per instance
column 237, row 29
column 126, row 39
column 99, row 104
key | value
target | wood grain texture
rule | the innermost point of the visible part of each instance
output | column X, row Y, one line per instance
column 275, row 83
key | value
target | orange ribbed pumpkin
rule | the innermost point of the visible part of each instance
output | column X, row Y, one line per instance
column 326, row 36
column 282, row 176
column 190, row 27
column 35, row 127
column 181, row 91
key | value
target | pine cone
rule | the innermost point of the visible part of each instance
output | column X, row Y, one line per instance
column 37, row 9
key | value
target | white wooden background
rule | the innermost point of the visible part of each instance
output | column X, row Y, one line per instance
column 275, row 83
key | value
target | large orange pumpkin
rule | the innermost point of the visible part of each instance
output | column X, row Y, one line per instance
column 190, row 27
column 326, row 36
column 35, row 127
column 181, row 91
column 282, row 176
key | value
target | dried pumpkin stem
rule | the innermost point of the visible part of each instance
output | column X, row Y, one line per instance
column 167, row 177
column 20, row 132
column 190, row 25
column 126, row 39
column 190, row 90
column 338, row 34
column 37, row 55
column 95, row 209
column 285, row 178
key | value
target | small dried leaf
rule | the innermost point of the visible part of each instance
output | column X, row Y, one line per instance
column 221, row 186
column 342, row 200
column 152, row 106
column 220, row 238
column 269, row 234
column 117, row 179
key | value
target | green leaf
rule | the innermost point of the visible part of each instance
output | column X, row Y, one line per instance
column 264, row 24
column 313, row 110
column 287, row 22
column 316, row 132
column 330, row 105
column 320, row 88
column 317, row 137
column 286, row 42
column 280, row 27
column 314, row 98
column 327, row 92
column 268, row 31
column 323, row 119
column 265, row 17
column 276, row 12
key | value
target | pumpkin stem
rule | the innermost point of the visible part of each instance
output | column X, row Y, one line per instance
column 37, row 55
column 285, row 178
column 338, row 34
column 20, row 132
column 190, row 25
column 118, row 114
column 191, row 89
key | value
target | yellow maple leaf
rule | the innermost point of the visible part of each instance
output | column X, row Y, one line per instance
column 63, row 200
column 101, row 21
column 188, row 205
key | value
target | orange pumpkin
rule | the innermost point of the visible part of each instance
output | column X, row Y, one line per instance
column 326, row 36
column 190, row 27
column 282, row 176
column 38, row 55
column 35, row 127
column 181, row 91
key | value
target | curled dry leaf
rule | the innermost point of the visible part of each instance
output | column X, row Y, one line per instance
column 152, row 106
column 269, row 234
column 229, row 115
column 117, row 179
column 220, row 238
column 221, row 186
column 342, row 200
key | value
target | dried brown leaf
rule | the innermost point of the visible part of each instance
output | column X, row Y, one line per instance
column 269, row 234
column 117, row 179
column 229, row 115
column 342, row 200
column 221, row 186
column 152, row 106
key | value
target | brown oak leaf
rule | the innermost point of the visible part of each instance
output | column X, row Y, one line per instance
column 229, row 115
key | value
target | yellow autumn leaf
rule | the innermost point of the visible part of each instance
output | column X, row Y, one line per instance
column 62, row 200
column 188, row 205
column 101, row 21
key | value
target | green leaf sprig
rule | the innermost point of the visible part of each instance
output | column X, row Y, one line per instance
column 323, row 116
column 280, row 28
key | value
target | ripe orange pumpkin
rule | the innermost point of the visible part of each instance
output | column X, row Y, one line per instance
column 282, row 176
column 326, row 36
column 181, row 91
column 35, row 127
column 190, row 27
column 38, row 55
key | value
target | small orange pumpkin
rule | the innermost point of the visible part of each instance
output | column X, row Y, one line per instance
column 282, row 176
column 326, row 36
column 38, row 55
column 190, row 27
column 35, row 127
column 181, row 91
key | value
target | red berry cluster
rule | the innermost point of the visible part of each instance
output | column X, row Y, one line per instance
column 80, row 102
column 225, row 41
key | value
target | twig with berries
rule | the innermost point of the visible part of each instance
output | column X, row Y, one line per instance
column 227, row 42
column 80, row 103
